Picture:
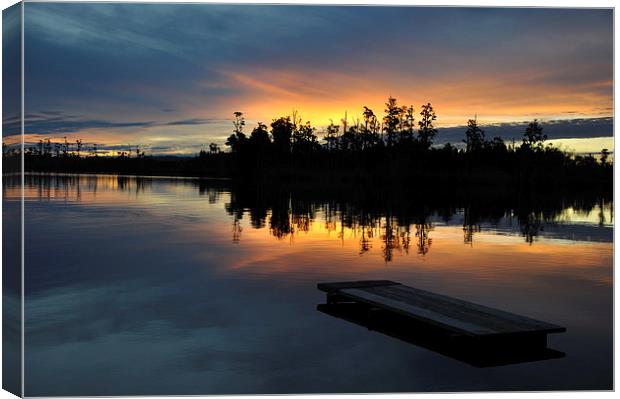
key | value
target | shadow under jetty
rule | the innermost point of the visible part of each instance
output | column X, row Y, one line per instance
column 474, row 334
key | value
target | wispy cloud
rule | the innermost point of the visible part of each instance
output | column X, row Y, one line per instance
column 55, row 122
column 193, row 121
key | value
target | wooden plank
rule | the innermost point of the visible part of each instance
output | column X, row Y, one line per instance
column 417, row 312
column 499, row 320
column 453, row 314
column 333, row 287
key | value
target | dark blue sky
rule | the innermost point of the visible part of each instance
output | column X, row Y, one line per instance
column 169, row 76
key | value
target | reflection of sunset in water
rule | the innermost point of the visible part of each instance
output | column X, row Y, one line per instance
column 118, row 265
column 314, row 237
column 491, row 255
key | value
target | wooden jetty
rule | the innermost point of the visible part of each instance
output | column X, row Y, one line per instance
column 455, row 321
column 412, row 332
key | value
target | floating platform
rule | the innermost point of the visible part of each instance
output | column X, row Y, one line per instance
column 473, row 333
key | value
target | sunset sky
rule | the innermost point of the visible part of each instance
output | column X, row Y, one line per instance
column 169, row 76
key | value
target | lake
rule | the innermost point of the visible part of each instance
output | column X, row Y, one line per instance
column 179, row 286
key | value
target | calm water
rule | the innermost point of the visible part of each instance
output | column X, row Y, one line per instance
column 170, row 286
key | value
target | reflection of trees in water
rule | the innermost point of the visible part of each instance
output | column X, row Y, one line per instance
column 302, row 215
column 137, row 184
column 212, row 189
column 602, row 205
column 72, row 187
column 533, row 217
column 601, row 215
column 280, row 223
column 395, row 221
column 396, row 238
column 366, row 239
column 390, row 242
column 468, row 233
column 286, row 216
column 472, row 220
column 372, row 216
column 237, row 229
column 423, row 240
column 531, row 224
column 258, row 216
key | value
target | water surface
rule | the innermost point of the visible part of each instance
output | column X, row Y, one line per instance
column 175, row 286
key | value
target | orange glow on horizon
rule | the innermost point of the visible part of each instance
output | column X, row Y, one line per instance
column 319, row 96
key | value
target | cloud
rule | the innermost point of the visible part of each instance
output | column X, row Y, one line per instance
column 43, row 124
column 54, row 122
column 121, row 66
column 11, row 64
column 193, row 121
column 554, row 129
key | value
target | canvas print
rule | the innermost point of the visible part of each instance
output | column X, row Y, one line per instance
column 205, row 199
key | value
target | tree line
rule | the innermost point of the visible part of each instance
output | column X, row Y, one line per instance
column 71, row 149
column 395, row 147
column 396, row 130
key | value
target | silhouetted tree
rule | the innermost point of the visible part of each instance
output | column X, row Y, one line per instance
column 427, row 131
column 533, row 137
column 260, row 136
column 304, row 139
column 497, row 145
column 474, row 136
column 139, row 153
column 78, row 147
column 370, row 120
column 238, row 122
column 214, row 148
column 407, row 125
column 345, row 122
column 604, row 156
column 391, row 121
column 282, row 131
column 351, row 140
column 65, row 149
column 370, row 132
column 48, row 147
column 237, row 139
column 331, row 136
